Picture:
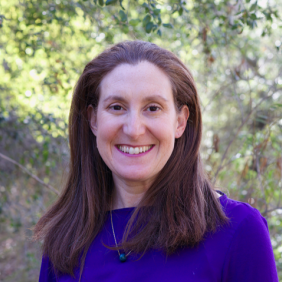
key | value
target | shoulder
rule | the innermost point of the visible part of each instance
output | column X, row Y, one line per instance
column 249, row 255
column 242, row 215
column 244, row 223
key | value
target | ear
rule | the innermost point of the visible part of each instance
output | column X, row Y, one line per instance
column 92, row 119
column 182, row 118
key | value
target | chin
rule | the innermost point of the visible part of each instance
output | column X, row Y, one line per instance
column 135, row 176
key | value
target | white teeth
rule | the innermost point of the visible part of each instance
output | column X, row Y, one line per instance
column 135, row 150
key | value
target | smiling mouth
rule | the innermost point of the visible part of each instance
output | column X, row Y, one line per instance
column 134, row 150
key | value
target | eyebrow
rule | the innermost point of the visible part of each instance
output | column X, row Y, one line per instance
column 155, row 97
column 146, row 99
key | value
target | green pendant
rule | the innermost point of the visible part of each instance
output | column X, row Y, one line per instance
column 122, row 257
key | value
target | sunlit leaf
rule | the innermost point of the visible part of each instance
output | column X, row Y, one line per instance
column 134, row 22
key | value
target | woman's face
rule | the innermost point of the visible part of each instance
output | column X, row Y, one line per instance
column 136, row 121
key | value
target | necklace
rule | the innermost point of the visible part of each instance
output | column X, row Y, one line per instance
column 122, row 256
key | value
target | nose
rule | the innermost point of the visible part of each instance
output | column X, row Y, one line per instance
column 134, row 125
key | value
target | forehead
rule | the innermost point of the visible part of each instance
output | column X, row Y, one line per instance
column 143, row 78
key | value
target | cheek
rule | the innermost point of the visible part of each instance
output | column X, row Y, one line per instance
column 106, row 131
column 165, row 133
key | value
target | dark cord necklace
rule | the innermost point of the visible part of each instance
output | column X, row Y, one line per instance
column 122, row 256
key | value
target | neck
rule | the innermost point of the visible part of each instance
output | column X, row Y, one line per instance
column 128, row 194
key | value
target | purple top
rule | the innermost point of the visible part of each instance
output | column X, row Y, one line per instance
column 240, row 251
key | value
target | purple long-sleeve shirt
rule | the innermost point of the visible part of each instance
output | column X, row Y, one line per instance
column 238, row 252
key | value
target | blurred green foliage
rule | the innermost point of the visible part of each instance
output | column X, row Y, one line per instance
column 233, row 49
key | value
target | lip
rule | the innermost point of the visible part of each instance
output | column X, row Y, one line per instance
column 134, row 156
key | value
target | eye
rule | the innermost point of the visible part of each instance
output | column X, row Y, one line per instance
column 153, row 108
column 116, row 107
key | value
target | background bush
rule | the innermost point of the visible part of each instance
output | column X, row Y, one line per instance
column 233, row 50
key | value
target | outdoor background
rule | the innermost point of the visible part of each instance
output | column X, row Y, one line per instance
column 233, row 49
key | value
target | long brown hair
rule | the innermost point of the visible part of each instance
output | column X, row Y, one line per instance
column 180, row 204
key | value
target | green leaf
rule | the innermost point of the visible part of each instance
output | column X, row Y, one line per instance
column 268, row 16
column 110, row 2
column 180, row 11
column 123, row 16
column 149, row 27
column 168, row 25
column 276, row 14
column 101, row 2
column 159, row 32
column 134, row 22
column 155, row 27
column 157, row 11
column 47, row 170
column 235, row 26
column 240, row 12
column 145, row 5
column 253, row 7
column 240, row 23
column 253, row 16
column 45, row 155
column 146, row 20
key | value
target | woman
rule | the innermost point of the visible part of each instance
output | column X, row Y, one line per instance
column 137, row 205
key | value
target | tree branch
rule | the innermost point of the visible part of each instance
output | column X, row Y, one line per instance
column 29, row 173
column 239, row 129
